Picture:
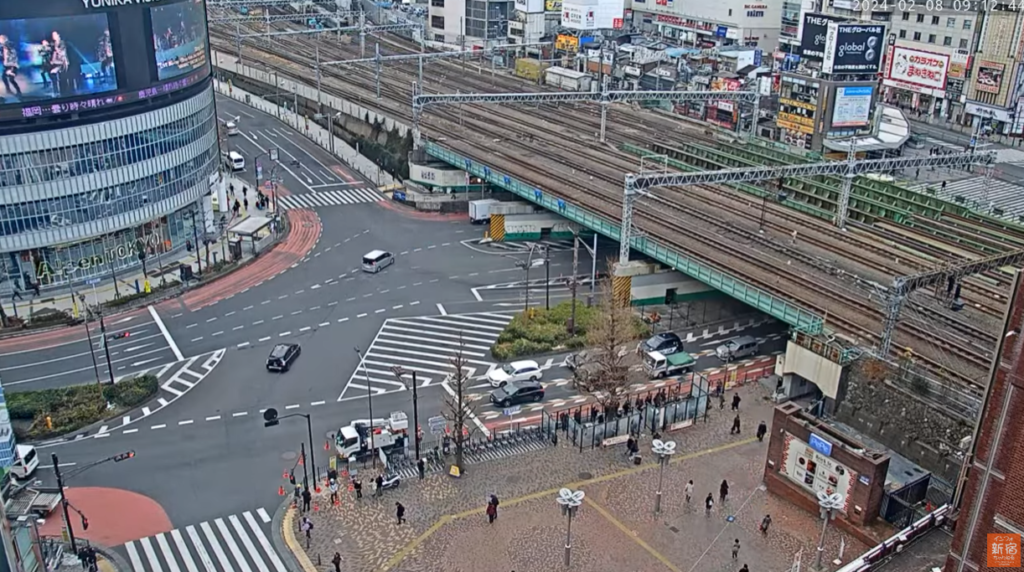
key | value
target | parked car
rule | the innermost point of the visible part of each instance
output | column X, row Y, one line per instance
column 517, row 392
column 526, row 370
column 666, row 344
column 282, row 357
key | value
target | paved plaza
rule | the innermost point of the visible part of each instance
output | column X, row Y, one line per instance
column 615, row 528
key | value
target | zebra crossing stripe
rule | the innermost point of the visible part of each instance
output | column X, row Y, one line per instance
column 232, row 545
column 247, row 543
column 218, row 550
column 264, row 542
column 147, row 547
column 133, row 556
column 204, row 556
column 161, row 541
column 186, row 556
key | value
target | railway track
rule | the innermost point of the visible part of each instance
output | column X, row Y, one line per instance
column 606, row 167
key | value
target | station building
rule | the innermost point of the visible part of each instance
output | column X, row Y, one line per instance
column 108, row 139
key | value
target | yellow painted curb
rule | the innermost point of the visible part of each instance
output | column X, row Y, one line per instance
column 288, row 531
column 633, row 536
column 404, row 552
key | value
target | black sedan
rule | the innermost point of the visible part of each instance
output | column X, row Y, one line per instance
column 517, row 392
column 282, row 357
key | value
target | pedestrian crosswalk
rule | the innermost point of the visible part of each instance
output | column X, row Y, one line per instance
column 553, row 245
column 330, row 198
column 493, row 451
column 425, row 345
column 236, row 542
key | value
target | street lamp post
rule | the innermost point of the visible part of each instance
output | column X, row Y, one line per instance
column 399, row 371
column 828, row 503
column 271, row 418
column 369, row 406
column 570, row 502
column 664, row 450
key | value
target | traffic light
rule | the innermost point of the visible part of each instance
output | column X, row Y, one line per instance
column 124, row 456
column 85, row 523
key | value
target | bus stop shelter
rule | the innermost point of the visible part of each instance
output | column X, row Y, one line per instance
column 259, row 230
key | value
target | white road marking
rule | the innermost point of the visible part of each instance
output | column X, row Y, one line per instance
column 167, row 335
column 440, row 308
column 186, row 422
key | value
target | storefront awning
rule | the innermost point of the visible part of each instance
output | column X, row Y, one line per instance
column 250, row 226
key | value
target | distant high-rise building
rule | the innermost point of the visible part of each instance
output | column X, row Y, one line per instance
column 990, row 498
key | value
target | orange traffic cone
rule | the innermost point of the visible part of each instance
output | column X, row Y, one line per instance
column 327, row 445
column 316, row 507
column 280, row 491
column 317, row 489
column 351, row 488
column 344, row 472
column 285, row 475
column 300, row 460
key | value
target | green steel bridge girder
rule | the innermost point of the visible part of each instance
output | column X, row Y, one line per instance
column 770, row 304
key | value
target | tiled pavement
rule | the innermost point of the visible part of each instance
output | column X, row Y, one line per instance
column 447, row 530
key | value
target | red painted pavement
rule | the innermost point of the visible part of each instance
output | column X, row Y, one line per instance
column 115, row 516
column 44, row 340
column 343, row 173
column 303, row 234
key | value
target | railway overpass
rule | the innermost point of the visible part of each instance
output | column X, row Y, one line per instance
column 827, row 280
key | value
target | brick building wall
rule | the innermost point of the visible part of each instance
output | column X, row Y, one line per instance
column 992, row 499
column 868, row 471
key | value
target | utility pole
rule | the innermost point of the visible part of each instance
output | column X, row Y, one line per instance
column 106, row 349
column 574, row 283
column 64, row 502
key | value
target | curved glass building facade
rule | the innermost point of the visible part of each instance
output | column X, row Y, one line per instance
column 81, row 202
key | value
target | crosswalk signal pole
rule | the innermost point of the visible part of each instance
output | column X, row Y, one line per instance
column 64, row 503
column 106, row 349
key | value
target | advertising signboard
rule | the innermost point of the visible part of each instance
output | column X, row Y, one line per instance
column 917, row 70
column 853, row 48
column 812, row 36
column 959, row 63
column 852, row 107
column 592, row 14
column 990, row 77
column 809, row 468
column 567, row 43
column 552, row 5
column 530, row 6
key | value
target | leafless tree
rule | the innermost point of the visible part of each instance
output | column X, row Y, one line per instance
column 606, row 369
column 458, row 407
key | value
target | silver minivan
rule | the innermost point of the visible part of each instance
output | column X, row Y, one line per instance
column 377, row 260
column 737, row 348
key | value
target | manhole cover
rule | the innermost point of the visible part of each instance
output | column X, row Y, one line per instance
column 290, row 456
column 586, row 476
column 674, row 529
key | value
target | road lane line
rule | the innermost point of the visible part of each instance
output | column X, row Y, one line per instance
column 295, row 406
column 263, row 339
column 129, row 431
column 242, row 345
column 283, row 334
column 361, row 315
column 240, row 414
column 315, row 403
column 186, row 422
column 213, row 418
column 160, row 426
column 440, row 308
column 167, row 335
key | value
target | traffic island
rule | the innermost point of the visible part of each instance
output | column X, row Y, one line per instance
column 446, row 525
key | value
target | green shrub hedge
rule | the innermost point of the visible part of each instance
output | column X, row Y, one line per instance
column 543, row 331
column 71, row 408
column 154, row 288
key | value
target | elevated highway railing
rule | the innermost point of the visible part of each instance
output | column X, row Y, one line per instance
column 770, row 304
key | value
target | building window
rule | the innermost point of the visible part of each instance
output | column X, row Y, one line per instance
column 935, row 20
column 917, row 36
column 967, row 24
column 963, row 43
column 947, row 41
column 437, row 3
column 906, row 16
column 437, row 22
column 920, row 18
column 931, row 38
column 951, row 22
column 439, row 38
column 903, row 34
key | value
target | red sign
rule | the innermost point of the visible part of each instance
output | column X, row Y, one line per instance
column 617, row 23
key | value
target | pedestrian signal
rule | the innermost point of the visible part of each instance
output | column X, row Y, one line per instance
column 124, row 456
column 85, row 523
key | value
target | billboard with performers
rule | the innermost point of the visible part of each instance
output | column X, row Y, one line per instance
column 179, row 38
column 990, row 76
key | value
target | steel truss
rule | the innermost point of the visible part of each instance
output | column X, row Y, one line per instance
column 366, row 29
column 637, row 185
column 604, row 99
column 283, row 17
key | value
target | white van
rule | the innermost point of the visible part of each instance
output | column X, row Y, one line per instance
column 26, row 461
column 236, row 161
column 232, row 128
column 377, row 260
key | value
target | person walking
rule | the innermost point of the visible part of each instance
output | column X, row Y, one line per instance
column 245, row 203
column 766, row 523
column 723, row 491
column 378, row 490
column 762, row 429
column 307, row 498
column 709, row 503
column 357, row 485
column 336, row 561
column 400, row 512
column 735, row 549
column 492, row 512
column 735, row 426
column 334, row 491
column 721, row 400
column 422, row 468
column 688, row 489
column 307, row 527
column 744, row 569
column 494, row 502
column 736, row 402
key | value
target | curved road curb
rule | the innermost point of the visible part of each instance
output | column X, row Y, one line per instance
column 284, row 539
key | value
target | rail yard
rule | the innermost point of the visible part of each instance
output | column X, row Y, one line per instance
column 838, row 274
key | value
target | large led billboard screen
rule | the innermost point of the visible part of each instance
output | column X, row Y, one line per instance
column 72, row 56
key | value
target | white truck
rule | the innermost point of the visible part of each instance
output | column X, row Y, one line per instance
column 354, row 439
column 480, row 210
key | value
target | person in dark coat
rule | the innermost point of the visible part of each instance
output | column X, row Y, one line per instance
column 400, row 512
column 736, row 402
column 762, row 429
column 723, row 491
column 735, row 426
